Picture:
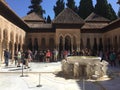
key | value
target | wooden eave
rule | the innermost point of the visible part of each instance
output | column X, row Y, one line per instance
column 6, row 12
column 91, row 31
column 62, row 25
column 41, row 30
column 98, row 21
column 112, row 25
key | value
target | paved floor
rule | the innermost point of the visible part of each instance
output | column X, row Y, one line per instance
column 44, row 74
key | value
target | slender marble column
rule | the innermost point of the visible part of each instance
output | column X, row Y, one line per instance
column 13, row 52
column 0, row 52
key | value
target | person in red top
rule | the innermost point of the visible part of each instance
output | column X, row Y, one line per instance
column 48, row 55
column 65, row 53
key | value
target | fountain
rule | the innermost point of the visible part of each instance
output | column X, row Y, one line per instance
column 88, row 67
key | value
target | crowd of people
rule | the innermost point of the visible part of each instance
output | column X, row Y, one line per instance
column 45, row 55
column 20, row 57
column 112, row 56
column 25, row 57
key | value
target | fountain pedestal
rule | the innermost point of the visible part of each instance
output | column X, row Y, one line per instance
column 84, row 66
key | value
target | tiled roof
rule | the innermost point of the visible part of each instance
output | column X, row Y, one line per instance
column 40, row 25
column 112, row 25
column 68, row 16
column 94, row 25
column 33, row 17
column 94, row 21
column 96, row 18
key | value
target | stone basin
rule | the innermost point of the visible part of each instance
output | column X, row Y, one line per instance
column 83, row 59
column 84, row 66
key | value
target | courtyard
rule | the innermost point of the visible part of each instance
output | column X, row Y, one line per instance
column 91, row 35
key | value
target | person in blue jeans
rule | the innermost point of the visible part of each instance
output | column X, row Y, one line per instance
column 7, row 56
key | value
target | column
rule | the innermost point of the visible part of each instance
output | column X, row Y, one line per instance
column 119, row 42
column 47, row 42
column 72, row 44
column 78, row 43
column 0, row 51
column 16, row 46
column 57, row 41
column 13, row 52
column 78, row 46
column 21, row 49
column 39, row 43
column 63, row 43
column 57, row 46
column 32, row 40
column 7, row 45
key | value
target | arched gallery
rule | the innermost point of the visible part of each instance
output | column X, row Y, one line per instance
column 67, row 31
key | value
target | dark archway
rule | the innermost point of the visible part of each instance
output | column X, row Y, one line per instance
column 51, row 44
column 68, row 43
column 81, row 44
column 61, row 48
column 43, row 44
column 15, row 48
column 19, row 47
column 30, row 44
column 61, row 44
column 100, row 44
column 10, row 49
column 95, row 47
column 74, row 43
column 119, row 42
column 109, row 44
column 36, row 44
column 88, row 44
column 115, row 43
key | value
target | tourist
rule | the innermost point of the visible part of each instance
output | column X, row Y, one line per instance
column 61, row 54
column 44, row 55
column 101, row 55
column 35, row 55
column 41, row 55
column 23, row 58
column 7, row 56
column 74, row 53
column 30, row 57
column 68, row 53
column 48, row 56
column 15, row 58
column 55, row 55
column 65, row 53
column 112, row 58
column 107, row 55
column 118, row 56
column 26, row 59
column 19, row 58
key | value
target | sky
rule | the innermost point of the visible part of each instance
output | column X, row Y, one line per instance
column 20, row 7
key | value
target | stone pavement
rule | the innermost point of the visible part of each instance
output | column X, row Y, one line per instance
column 35, row 67
column 44, row 74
